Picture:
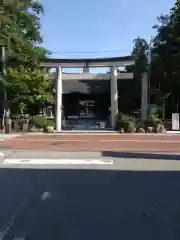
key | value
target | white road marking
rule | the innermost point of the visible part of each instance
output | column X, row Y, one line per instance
column 1, row 154
column 7, row 228
column 45, row 195
column 19, row 238
column 58, row 161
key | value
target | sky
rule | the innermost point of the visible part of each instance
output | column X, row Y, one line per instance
column 98, row 28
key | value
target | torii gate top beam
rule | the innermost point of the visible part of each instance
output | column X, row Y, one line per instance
column 93, row 62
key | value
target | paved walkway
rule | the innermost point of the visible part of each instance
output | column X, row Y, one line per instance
column 95, row 143
column 33, row 160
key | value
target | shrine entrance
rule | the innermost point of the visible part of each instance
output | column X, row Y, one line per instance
column 112, row 75
column 86, row 111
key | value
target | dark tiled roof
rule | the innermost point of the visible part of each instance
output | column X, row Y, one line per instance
column 85, row 86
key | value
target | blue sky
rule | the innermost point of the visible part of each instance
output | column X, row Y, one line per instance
column 97, row 27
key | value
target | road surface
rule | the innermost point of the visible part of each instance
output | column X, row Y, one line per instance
column 89, row 204
column 149, row 143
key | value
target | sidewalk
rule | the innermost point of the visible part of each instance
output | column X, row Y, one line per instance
column 33, row 154
column 84, row 161
column 22, row 154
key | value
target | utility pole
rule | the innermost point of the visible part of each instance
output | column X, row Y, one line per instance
column 6, row 113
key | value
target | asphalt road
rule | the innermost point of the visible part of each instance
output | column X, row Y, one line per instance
column 89, row 204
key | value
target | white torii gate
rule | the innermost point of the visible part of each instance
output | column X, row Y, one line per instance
column 113, row 63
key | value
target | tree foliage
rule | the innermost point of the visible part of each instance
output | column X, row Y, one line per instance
column 140, row 53
column 167, row 51
column 165, row 57
column 28, row 87
column 20, row 29
column 20, row 33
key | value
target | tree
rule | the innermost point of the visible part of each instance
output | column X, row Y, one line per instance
column 166, row 47
column 20, row 29
column 165, row 58
column 20, row 32
column 29, row 89
column 140, row 52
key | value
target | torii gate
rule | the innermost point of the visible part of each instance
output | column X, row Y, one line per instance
column 112, row 63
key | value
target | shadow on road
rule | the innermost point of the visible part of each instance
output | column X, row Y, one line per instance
column 89, row 204
column 141, row 155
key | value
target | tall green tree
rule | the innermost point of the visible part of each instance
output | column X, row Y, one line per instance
column 20, row 29
column 140, row 53
column 167, row 50
column 20, row 33
column 29, row 89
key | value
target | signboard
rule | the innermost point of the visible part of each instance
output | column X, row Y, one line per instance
column 175, row 121
column 87, row 103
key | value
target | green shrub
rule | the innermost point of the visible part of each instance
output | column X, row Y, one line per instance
column 50, row 122
column 128, row 126
column 152, row 112
column 125, row 117
column 155, row 112
column 39, row 121
column 129, row 123
column 150, row 122
column 125, row 121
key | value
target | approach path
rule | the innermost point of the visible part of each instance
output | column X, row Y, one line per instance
column 95, row 142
